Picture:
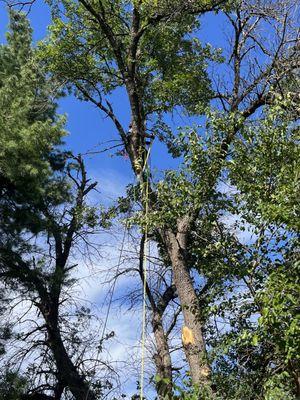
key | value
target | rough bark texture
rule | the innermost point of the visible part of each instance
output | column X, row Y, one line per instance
column 162, row 359
column 195, row 350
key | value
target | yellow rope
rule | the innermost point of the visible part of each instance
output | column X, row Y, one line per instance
column 145, row 199
column 144, row 312
column 145, row 196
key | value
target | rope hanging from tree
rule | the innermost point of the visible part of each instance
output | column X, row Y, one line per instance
column 145, row 199
column 146, row 256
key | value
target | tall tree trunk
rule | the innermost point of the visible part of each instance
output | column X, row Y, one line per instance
column 176, row 245
column 162, row 359
column 67, row 372
column 193, row 341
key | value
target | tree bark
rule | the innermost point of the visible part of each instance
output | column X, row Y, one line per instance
column 67, row 371
column 162, row 359
column 194, row 348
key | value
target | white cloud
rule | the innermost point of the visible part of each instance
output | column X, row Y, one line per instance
column 111, row 185
column 241, row 229
column 226, row 187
